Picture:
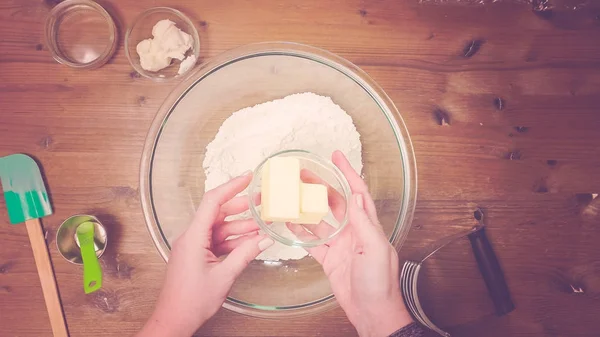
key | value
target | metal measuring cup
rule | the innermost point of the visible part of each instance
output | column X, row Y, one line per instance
column 68, row 244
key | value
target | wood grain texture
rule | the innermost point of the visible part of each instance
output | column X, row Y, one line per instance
column 532, row 161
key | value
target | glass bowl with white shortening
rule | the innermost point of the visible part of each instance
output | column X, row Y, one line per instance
column 162, row 44
column 234, row 113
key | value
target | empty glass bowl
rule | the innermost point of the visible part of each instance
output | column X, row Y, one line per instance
column 141, row 29
column 172, row 179
column 314, row 169
column 81, row 34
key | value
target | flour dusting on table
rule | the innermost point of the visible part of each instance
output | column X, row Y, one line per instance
column 300, row 121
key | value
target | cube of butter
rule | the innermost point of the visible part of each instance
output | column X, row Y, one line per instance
column 314, row 204
column 280, row 190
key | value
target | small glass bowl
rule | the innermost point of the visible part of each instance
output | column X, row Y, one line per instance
column 81, row 34
column 141, row 29
column 314, row 169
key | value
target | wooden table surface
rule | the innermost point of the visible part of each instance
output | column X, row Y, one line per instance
column 519, row 95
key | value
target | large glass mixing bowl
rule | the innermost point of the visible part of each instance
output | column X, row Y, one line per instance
column 172, row 178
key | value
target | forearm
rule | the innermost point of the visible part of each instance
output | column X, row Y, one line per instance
column 168, row 323
column 155, row 328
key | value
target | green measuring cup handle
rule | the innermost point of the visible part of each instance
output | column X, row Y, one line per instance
column 92, row 272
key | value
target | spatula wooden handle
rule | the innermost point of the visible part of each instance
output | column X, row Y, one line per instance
column 44, row 268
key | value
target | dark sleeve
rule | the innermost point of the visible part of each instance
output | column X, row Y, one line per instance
column 411, row 330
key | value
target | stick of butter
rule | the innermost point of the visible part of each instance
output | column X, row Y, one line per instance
column 280, row 190
column 313, row 204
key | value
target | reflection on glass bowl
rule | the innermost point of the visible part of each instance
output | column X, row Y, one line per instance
column 172, row 178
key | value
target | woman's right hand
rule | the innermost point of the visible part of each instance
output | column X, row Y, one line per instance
column 361, row 264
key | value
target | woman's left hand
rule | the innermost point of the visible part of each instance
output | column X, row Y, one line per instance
column 197, row 281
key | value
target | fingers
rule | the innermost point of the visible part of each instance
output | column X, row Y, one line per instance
column 236, row 205
column 228, row 246
column 235, row 227
column 318, row 252
column 367, row 234
column 301, row 233
column 243, row 254
column 357, row 184
column 323, row 230
column 335, row 199
column 369, row 207
column 210, row 207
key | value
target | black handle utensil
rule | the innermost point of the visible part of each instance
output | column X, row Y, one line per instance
column 490, row 268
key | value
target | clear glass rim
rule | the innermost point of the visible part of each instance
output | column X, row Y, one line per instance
column 338, row 63
column 54, row 19
column 339, row 176
column 130, row 54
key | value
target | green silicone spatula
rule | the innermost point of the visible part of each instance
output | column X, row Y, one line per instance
column 27, row 201
column 92, row 273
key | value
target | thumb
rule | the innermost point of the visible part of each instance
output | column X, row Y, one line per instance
column 241, row 256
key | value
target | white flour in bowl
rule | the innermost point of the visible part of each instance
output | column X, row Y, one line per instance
column 301, row 121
